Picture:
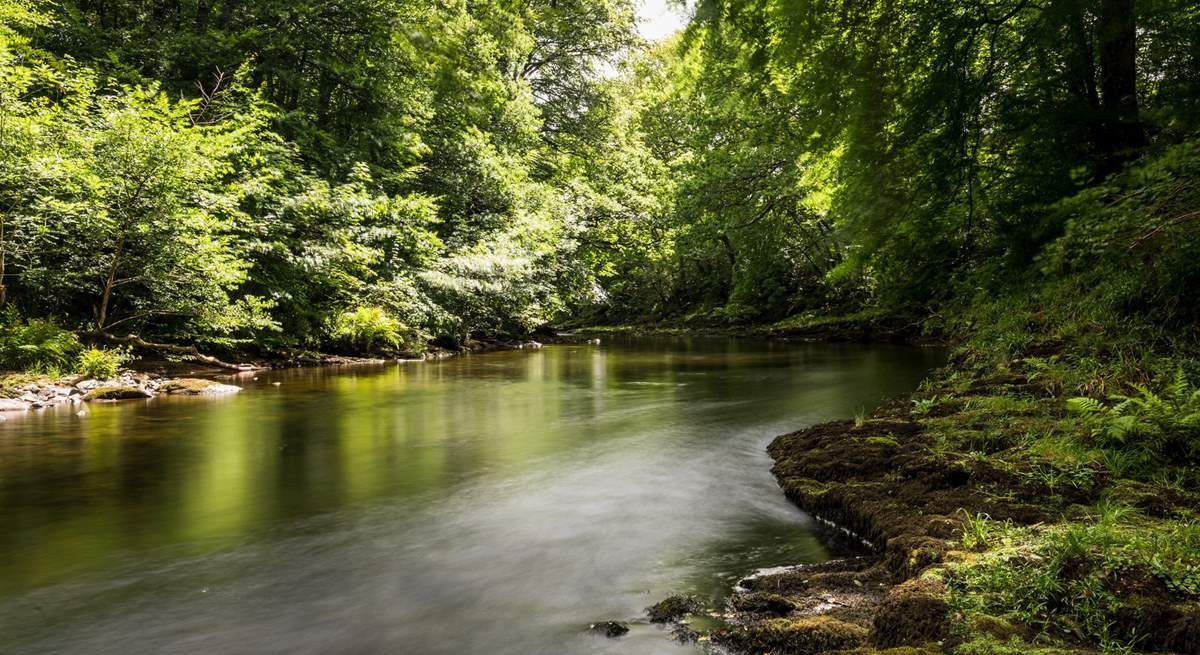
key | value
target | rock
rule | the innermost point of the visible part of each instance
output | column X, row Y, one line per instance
column 806, row 636
column 124, row 392
column 197, row 387
column 764, row 604
column 594, row 342
column 12, row 405
column 610, row 629
column 672, row 609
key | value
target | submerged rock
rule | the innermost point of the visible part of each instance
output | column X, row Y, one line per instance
column 610, row 629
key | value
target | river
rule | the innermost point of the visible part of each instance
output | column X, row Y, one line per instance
column 488, row 504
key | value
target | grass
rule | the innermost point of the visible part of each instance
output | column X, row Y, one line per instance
column 1066, row 579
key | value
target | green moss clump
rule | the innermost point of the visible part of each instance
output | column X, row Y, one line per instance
column 818, row 634
column 764, row 603
column 913, row 613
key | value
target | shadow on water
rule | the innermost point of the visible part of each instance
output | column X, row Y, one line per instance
column 488, row 504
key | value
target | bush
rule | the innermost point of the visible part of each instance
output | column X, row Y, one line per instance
column 102, row 364
column 35, row 346
column 369, row 328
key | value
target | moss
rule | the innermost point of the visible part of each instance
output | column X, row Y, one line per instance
column 116, row 393
column 673, row 609
column 913, row 613
column 186, row 386
column 14, row 382
column 764, row 604
column 801, row 636
column 999, row 629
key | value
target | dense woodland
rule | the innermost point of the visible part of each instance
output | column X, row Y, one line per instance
column 381, row 174
column 1019, row 177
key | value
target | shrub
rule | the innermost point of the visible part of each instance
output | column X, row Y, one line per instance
column 35, row 346
column 368, row 328
column 102, row 364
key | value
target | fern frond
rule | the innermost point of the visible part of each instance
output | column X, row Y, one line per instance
column 1084, row 406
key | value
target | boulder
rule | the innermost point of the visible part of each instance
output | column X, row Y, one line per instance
column 117, row 393
column 196, row 387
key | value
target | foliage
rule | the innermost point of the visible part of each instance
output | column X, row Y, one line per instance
column 1063, row 576
column 1163, row 424
column 102, row 363
column 240, row 174
column 35, row 345
column 367, row 329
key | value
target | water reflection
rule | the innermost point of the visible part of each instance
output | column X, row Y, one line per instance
column 488, row 504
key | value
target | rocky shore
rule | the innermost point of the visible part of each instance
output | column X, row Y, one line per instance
column 77, row 390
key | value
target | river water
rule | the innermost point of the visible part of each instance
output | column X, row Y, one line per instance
column 489, row 504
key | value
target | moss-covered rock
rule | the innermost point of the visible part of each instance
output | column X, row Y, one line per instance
column 807, row 636
column 196, row 387
column 117, row 393
column 764, row 604
column 912, row 614
column 673, row 609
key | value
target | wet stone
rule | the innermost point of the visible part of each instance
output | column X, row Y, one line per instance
column 610, row 629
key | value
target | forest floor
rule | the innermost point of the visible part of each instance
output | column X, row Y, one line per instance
column 991, row 522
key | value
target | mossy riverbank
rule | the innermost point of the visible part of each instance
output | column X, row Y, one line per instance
column 994, row 521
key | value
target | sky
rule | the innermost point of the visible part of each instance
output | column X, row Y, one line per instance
column 659, row 21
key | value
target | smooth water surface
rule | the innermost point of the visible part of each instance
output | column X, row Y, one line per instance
column 491, row 503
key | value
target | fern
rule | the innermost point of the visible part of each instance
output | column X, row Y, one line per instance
column 1164, row 423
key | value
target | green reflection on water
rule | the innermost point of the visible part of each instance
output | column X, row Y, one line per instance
column 171, row 478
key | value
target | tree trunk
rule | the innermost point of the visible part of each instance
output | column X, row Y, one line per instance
column 1116, row 29
column 188, row 351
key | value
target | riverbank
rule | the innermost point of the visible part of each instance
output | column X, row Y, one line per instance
column 995, row 520
column 867, row 326
column 150, row 377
